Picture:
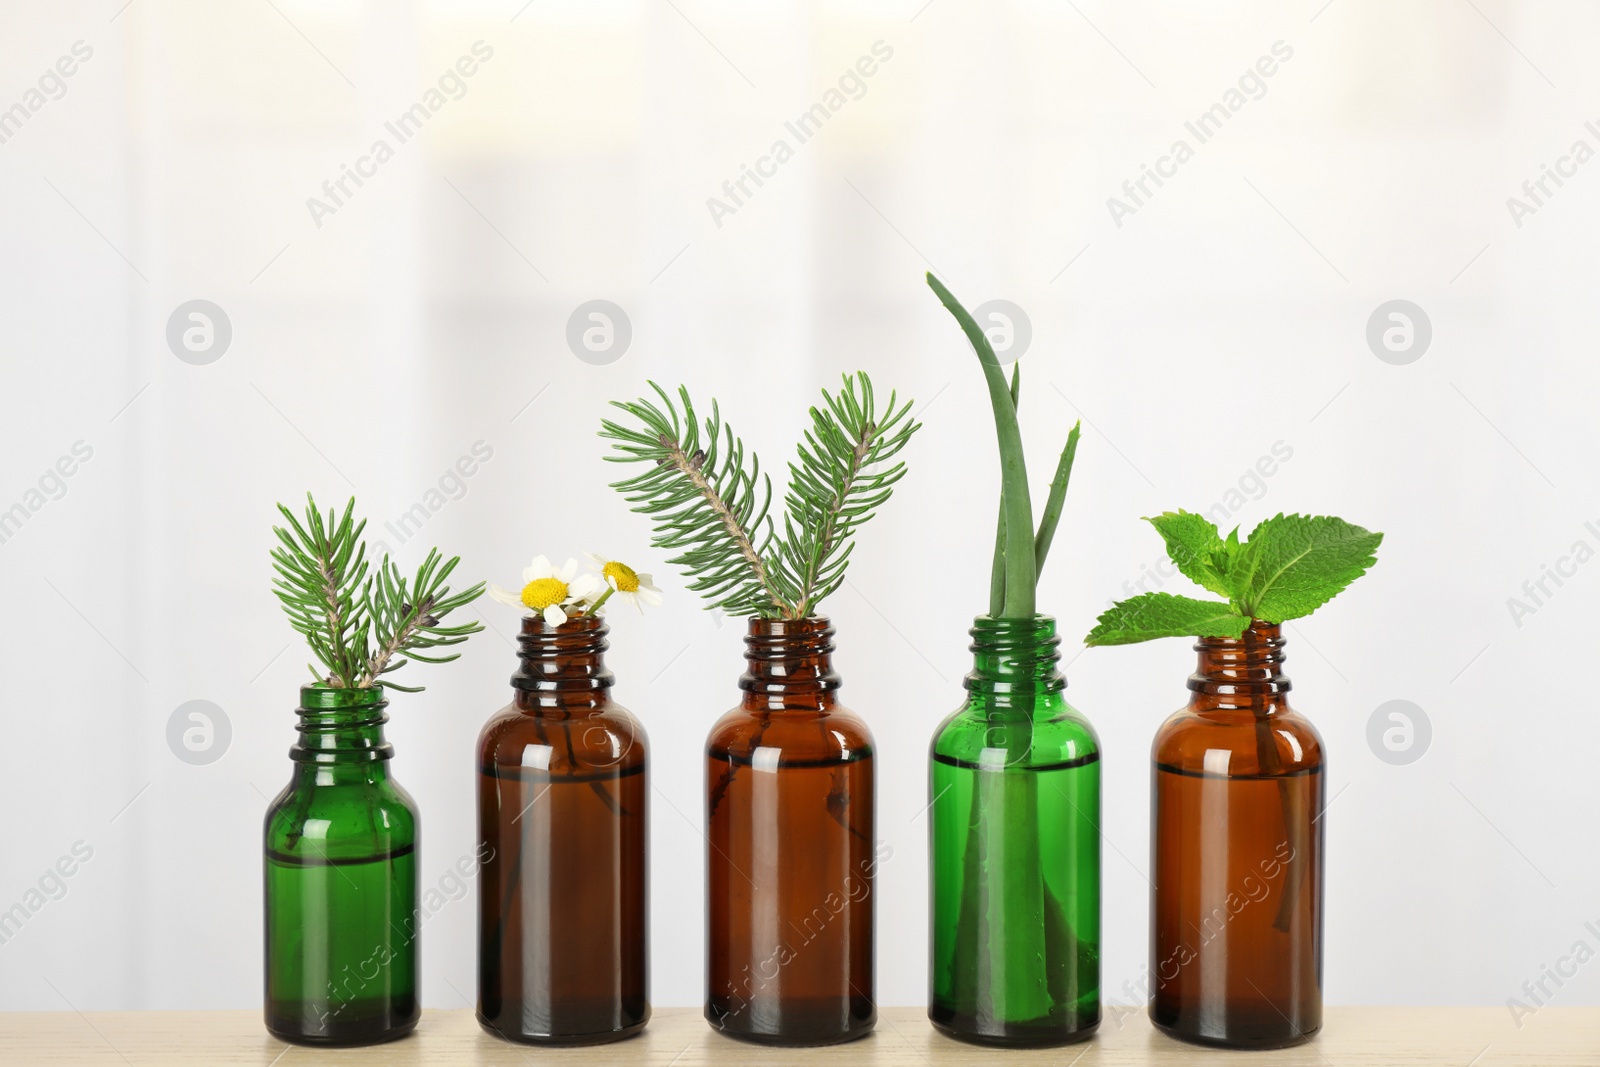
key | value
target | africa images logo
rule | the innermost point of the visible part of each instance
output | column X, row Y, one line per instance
column 451, row 85
column 851, row 85
column 1252, row 85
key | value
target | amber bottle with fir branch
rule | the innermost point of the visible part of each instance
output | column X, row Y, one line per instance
column 790, row 809
column 792, row 854
column 1239, row 783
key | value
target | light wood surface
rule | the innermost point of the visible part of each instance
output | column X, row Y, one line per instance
column 678, row 1037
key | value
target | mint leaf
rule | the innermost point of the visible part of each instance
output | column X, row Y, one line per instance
column 1233, row 550
column 1196, row 547
column 1293, row 564
column 1164, row 615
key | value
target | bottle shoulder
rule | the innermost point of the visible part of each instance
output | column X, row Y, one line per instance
column 1055, row 733
column 835, row 732
column 609, row 735
column 1238, row 743
column 330, row 815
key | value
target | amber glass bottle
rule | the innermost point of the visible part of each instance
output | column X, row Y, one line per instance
column 562, row 830
column 790, row 857
column 1236, row 855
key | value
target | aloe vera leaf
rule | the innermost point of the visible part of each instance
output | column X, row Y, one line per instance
column 997, row 571
column 1058, row 496
column 1021, row 574
column 1013, row 904
column 964, row 984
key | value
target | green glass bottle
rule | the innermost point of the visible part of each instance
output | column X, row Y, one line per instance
column 341, row 882
column 1014, row 849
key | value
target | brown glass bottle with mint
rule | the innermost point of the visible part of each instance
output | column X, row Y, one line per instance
column 563, row 808
column 1237, row 854
column 790, row 856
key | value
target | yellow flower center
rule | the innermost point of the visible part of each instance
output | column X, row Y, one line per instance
column 542, row 592
column 622, row 576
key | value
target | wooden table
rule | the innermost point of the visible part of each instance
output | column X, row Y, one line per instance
column 678, row 1037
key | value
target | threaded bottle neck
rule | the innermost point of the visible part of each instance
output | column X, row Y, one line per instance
column 1243, row 672
column 1014, row 662
column 341, row 726
column 562, row 666
column 789, row 664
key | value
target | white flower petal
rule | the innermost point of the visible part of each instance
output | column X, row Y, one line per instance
column 583, row 587
column 539, row 568
column 554, row 616
column 567, row 571
column 504, row 596
column 597, row 561
column 649, row 595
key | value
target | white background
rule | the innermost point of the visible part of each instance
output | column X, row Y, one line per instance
column 1226, row 315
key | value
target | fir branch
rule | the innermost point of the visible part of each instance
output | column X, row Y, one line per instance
column 702, row 500
column 706, row 500
column 843, row 476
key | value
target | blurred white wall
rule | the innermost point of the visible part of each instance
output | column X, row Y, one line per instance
column 373, row 345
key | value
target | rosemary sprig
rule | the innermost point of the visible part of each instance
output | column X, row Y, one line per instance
column 321, row 566
column 362, row 626
column 408, row 616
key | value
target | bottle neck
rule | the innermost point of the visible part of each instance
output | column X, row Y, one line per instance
column 562, row 668
column 341, row 731
column 1015, row 664
column 1241, row 673
column 789, row 665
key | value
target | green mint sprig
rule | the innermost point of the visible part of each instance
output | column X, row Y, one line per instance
column 1289, row 567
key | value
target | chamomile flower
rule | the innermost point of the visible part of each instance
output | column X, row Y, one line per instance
column 552, row 592
column 625, row 583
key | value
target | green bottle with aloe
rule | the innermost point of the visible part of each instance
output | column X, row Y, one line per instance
column 1014, row 788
